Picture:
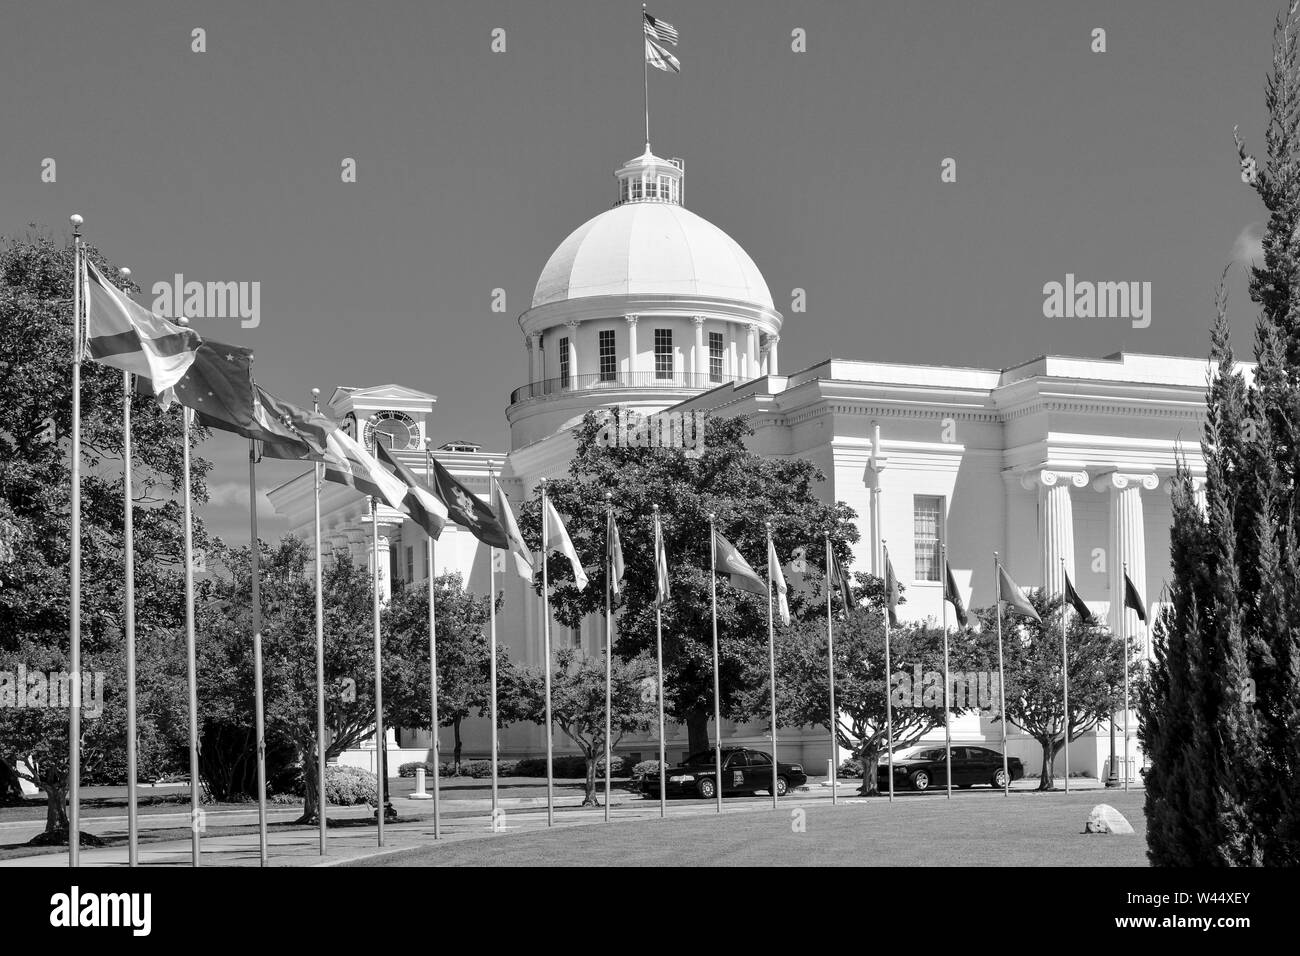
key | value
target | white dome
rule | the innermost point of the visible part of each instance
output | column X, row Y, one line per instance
column 650, row 248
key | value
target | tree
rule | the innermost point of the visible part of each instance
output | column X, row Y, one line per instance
column 861, row 684
column 744, row 490
column 36, row 295
column 1221, row 708
column 1034, row 681
column 464, row 663
column 578, row 703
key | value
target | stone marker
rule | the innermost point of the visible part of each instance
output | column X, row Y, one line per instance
column 1106, row 819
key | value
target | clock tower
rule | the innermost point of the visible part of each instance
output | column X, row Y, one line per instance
column 392, row 414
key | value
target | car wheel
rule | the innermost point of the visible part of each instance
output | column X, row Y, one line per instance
column 782, row 786
column 921, row 780
column 1000, row 780
column 707, row 788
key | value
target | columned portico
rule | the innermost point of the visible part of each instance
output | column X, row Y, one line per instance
column 1127, row 540
column 1056, row 522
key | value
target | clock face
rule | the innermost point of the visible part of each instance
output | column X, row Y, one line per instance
column 397, row 430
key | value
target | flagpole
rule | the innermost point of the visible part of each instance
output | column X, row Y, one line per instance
column 645, row 78
column 74, row 568
column 1123, row 623
column 830, row 664
column 492, row 664
column 717, row 684
column 1065, row 681
column 889, row 709
column 947, row 716
column 196, row 817
column 546, row 649
column 609, row 640
column 433, row 669
column 259, row 717
column 128, row 554
column 659, row 659
column 320, row 652
column 381, row 770
column 771, row 659
column 1002, row 683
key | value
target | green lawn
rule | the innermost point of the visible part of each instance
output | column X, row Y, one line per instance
column 975, row 829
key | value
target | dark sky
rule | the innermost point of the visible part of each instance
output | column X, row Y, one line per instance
column 474, row 165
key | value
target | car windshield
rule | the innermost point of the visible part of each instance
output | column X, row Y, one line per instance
column 922, row 753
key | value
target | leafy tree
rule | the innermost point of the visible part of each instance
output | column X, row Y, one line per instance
column 36, row 296
column 744, row 490
column 578, row 703
column 1221, row 708
column 1031, row 660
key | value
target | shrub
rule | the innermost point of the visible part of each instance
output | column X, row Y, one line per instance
column 349, row 786
column 851, row 768
column 646, row 768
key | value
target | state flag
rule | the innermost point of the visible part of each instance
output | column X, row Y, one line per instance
column 727, row 560
column 518, row 549
column 421, row 504
column 1134, row 600
column 614, row 554
column 663, row 591
column 125, row 335
column 290, row 433
column 777, row 578
column 466, row 508
column 556, row 537
column 838, row 580
column 1072, row 597
column 952, row 595
column 659, row 57
column 350, row 464
column 1010, row 592
column 891, row 589
column 218, row 385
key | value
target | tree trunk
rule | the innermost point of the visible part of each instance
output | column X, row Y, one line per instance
column 310, row 801
column 589, row 800
column 56, row 810
column 455, row 753
column 1046, row 779
column 697, row 730
column 870, row 760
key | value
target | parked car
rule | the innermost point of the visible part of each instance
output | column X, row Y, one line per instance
column 924, row 768
column 743, row 771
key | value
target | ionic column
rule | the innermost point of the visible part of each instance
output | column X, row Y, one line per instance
column 751, row 352
column 631, row 347
column 772, row 367
column 1056, row 522
column 733, row 352
column 539, row 356
column 699, row 358
column 1127, row 543
column 573, row 352
column 532, row 359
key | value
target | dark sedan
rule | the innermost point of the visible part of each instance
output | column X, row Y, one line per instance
column 924, row 768
column 743, row 771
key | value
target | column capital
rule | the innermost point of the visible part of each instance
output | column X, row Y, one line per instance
column 537, row 336
column 1148, row 481
column 1050, row 477
column 773, row 338
column 631, row 318
column 698, row 319
column 572, row 323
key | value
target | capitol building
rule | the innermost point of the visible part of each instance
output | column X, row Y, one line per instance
column 1056, row 462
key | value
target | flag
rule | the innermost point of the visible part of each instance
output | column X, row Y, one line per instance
column 659, row 57
column 1010, row 592
column 218, row 385
column 467, row 510
column 778, row 580
column 1134, row 600
column 523, row 557
column 421, row 504
column 355, row 467
column 839, row 580
column 952, row 595
column 662, row 589
column 891, row 589
column 1072, row 597
column 125, row 335
column 289, row 432
column 659, row 29
column 614, row 554
column 557, row 539
column 727, row 560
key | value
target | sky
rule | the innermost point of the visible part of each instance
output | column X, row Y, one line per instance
column 472, row 165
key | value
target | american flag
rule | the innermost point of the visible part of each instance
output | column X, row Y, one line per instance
column 660, row 30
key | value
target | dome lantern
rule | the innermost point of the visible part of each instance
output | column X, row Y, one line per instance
column 650, row 178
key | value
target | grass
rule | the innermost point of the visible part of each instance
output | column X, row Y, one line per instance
column 977, row 829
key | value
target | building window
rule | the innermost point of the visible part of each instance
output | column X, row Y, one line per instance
column 622, row 190
column 651, row 189
column 608, row 360
column 663, row 353
column 665, row 188
column 636, row 189
column 715, row 356
column 927, row 514
column 564, row 363
column 410, row 564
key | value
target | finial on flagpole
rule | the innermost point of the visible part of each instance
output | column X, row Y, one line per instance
column 655, row 508
column 183, row 321
column 76, row 221
column 124, row 272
